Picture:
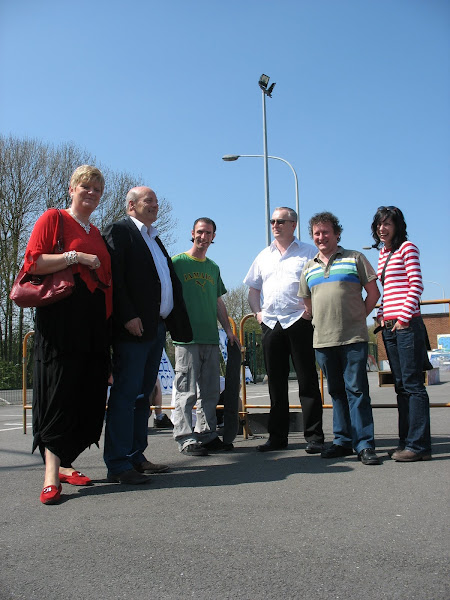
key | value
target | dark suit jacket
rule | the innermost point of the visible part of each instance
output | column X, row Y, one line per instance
column 137, row 288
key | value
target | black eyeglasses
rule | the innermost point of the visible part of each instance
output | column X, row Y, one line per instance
column 280, row 221
column 393, row 208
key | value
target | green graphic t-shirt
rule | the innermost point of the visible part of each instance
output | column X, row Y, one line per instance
column 202, row 285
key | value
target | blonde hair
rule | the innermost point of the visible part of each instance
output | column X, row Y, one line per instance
column 86, row 173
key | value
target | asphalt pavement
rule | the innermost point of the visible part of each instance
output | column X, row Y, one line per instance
column 236, row 525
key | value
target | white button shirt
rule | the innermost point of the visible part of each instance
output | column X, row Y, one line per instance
column 277, row 277
column 149, row 234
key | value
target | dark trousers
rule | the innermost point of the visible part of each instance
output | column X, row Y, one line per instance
column 278, row 345
column 406, row 350
column 135, row 369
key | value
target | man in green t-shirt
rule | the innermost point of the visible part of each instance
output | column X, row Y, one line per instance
column 197, row 364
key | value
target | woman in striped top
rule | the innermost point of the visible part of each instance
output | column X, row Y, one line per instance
column 404, row 332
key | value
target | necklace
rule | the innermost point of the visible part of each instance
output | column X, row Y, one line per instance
column 87, row 227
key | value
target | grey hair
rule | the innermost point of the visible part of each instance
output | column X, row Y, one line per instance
column 291, row 212
column 131, row 196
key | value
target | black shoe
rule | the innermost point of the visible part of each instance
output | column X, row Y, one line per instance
column 335, row 451
column 272, row 445
column 164, row 423
column 131, row 477
column 215, row 445
column 228, row 447
column 368, row 457
column 195, row 450
column 148, row 467
column 314, row 447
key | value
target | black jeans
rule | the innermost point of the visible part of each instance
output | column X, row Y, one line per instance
column 278, row 345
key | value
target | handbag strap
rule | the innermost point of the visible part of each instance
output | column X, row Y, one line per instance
column 59, row 246
column 384, row 268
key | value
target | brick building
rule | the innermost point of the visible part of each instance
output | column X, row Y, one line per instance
column 436, row 324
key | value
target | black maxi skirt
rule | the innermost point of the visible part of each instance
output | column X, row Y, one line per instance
column 71, row 368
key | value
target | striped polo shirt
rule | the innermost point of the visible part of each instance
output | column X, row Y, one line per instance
column 335, row 289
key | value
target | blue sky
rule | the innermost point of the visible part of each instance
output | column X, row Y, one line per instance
column 164, row 89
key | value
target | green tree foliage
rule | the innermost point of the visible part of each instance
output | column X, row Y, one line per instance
column 238, row 307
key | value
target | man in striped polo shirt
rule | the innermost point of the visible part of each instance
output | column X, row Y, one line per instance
column 331, row 287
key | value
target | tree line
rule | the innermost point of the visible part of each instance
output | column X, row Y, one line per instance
column 34, row 176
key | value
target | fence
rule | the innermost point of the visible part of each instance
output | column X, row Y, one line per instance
column 246, row 406
column 244, row 339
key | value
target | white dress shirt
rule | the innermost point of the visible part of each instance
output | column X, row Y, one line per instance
column 149, row 234
column 277, row 277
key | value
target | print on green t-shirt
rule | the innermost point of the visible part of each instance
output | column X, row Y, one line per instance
column 202, row 285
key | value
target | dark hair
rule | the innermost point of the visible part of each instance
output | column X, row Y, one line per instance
column 205, row 220
column 326, row 217
column 394, row 213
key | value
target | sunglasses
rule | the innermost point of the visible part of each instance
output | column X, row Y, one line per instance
column 280, row 221
column 393, row 208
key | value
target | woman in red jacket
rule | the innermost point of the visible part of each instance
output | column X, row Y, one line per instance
column 71, row 342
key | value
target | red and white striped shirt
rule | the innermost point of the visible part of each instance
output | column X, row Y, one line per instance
column 402, row 283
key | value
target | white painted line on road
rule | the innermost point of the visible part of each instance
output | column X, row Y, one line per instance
column 13, row 416
column 14, row 428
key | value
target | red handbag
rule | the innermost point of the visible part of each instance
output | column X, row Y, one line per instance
column 30, row 290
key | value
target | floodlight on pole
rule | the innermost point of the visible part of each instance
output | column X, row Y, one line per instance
column 263, row 83
column 233, row 157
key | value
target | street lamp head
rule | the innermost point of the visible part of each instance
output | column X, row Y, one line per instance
column 230, row 157
column 263, row 82
column 270, row 90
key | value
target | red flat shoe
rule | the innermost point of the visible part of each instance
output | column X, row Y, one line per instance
column 76, row 478
column 51, row 494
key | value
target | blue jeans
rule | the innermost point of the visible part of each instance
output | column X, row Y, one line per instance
column 345, row 370
column 135, row 369
column 406, row 352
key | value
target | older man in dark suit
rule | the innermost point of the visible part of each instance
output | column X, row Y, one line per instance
column 147, row 298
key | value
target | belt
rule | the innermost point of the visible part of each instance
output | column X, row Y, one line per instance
column 389, row 324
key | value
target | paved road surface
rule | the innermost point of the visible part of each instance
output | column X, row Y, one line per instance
column 240, row 525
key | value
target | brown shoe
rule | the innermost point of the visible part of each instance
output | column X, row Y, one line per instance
column 409, row 456
column 394, row 450
column 149, row 467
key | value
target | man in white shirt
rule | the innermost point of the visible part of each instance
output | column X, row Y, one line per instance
column 147, row 298
column 287, row 331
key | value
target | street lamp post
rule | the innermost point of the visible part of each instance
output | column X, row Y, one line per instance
column 436, row 283
column 233, row 157
column 263, row 83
